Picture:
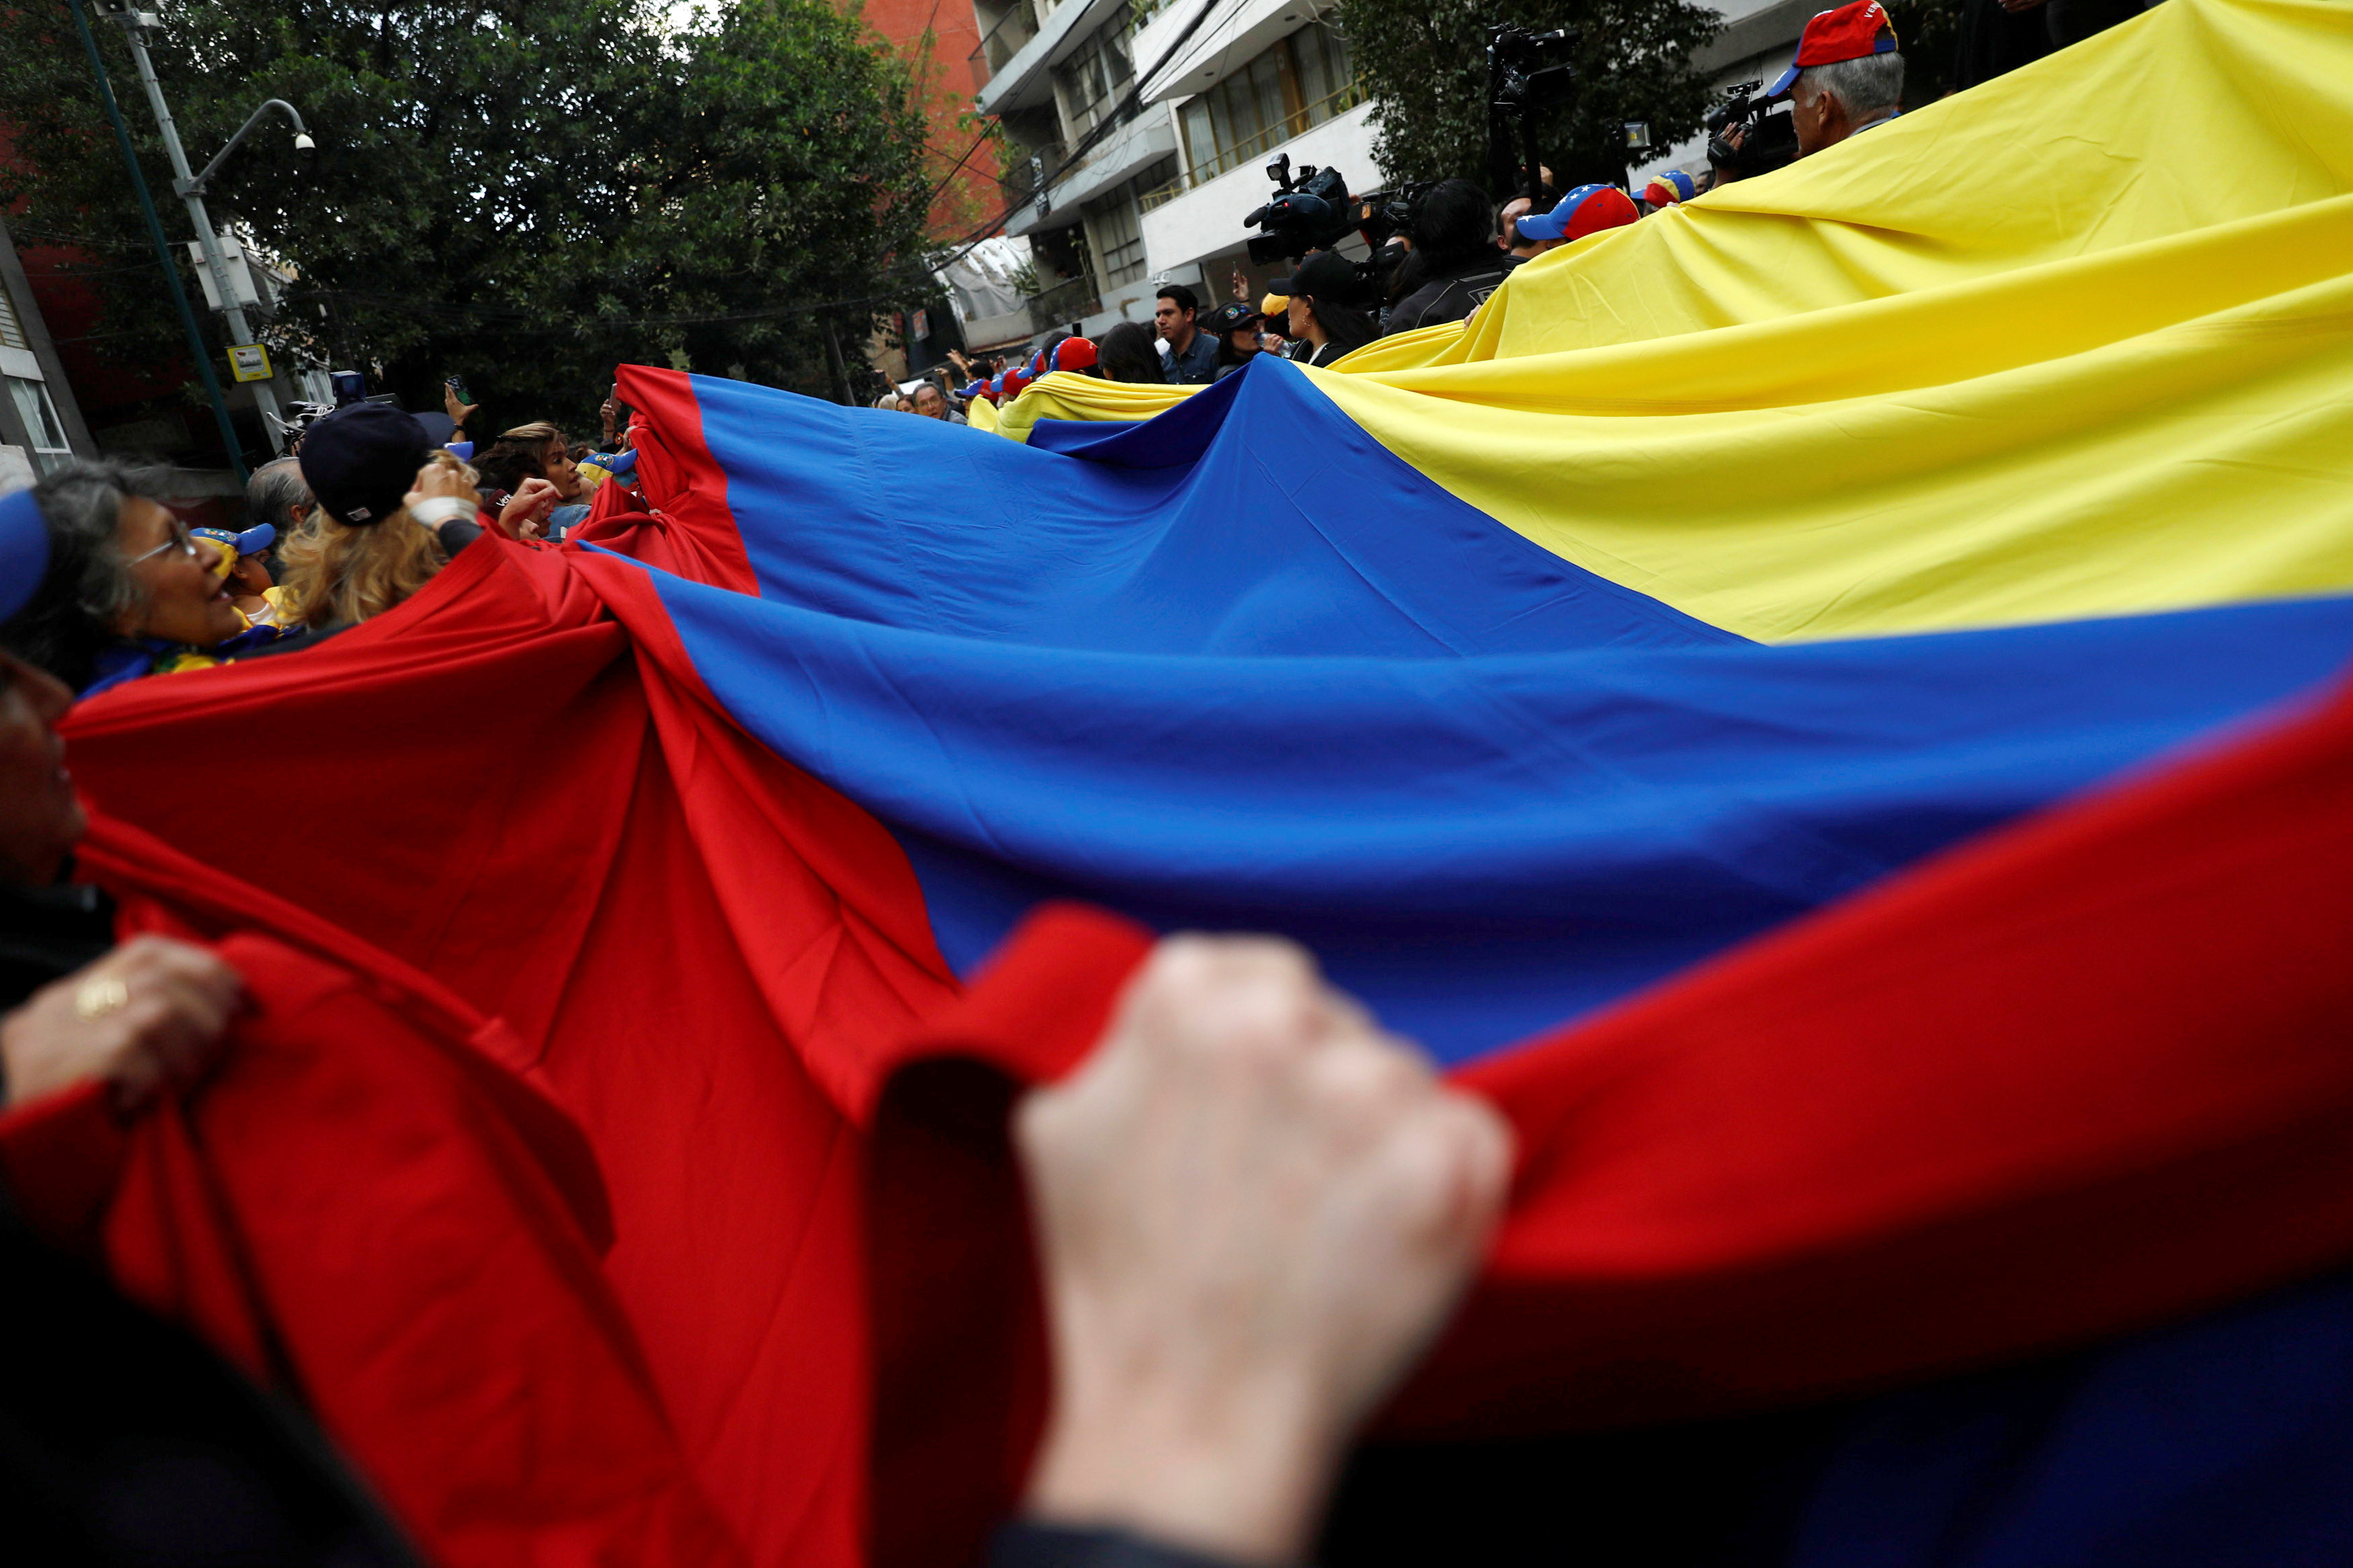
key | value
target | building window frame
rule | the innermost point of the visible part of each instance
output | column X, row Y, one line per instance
column 44, row 430
column 1236, row 121
column 1114, row 226
column 1095, row 81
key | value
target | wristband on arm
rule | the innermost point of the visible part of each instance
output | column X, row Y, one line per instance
column 435, row 510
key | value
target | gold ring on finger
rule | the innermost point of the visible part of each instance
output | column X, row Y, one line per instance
column 101, row 994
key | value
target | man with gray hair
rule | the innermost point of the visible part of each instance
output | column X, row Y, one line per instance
column 276, row 495
column 1847, row 77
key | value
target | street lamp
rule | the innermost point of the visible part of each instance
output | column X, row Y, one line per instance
column 190, row 188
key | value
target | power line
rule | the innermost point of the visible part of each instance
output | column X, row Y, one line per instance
column 953, row 172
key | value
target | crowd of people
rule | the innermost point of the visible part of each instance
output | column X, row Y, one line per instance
column 329, row 538
column 362, row 514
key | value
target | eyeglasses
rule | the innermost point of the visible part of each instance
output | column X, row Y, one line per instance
column 180, row 540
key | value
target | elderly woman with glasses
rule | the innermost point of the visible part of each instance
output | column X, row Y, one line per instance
column 127, row 593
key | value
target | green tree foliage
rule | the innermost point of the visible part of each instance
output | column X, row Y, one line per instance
column 1930, row 33
column 523, row 194
column 1424, row 62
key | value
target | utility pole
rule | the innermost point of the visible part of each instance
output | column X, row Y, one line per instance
column 190, row 187
column 162, row 247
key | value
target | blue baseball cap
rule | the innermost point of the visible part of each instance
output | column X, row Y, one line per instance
column 23, row 550
column 252, row 541
column 360, row 459
column 1588, row 209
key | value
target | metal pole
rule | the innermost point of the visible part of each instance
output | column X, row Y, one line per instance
column 833, row 364
column 184, row 181
column 301, row 138
column 162, row 247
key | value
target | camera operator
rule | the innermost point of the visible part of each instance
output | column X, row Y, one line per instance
column 1455, row 264
column 1325, row 312
column 1847, row 78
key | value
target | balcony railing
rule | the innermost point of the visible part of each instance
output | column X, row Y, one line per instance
column 1065, row 301
column 1329, row 107
column 1022, row 171
column 1003, row 41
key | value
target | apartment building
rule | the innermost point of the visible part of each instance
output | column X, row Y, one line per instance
column 1061, row 82
column 1119, row 189
column 1243, row 84
column 40, row 424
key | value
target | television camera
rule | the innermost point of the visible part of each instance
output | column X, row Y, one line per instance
column 1527, row 73
column 1312, row 210
column 1769, row 136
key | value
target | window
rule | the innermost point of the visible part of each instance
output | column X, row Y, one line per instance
column 41, row 424
column 1119, row 240
column 1097, row 80
column 12, row 334
column 1320, row 57
column 1304, row 80
column 1117, row 221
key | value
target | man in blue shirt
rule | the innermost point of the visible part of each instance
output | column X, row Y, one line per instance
column 1189, row 356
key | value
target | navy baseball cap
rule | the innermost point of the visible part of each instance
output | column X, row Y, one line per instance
column 362, row 459
column 23, row 550
column 1231, row 317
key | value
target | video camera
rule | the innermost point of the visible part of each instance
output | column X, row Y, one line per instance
column 1313, row 211
column 1771, row 139
column 1526, row 74
column 1530, row 71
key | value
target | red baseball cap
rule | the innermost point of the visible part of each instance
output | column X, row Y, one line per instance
column 1849, row 33
column 1588, row 209
column 1074, row 353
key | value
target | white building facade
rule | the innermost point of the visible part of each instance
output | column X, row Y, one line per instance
column 1121, row 188
column 1243, row 84
column 1061, row 82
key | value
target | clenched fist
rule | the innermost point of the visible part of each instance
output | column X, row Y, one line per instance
column 1254, row 1210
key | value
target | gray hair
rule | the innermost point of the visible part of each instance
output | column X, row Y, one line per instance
column 1866, row 86
column 89, row 589
column 276, row 489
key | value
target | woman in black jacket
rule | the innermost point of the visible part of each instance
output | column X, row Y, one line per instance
column 1324, row 312
column 1454, row 265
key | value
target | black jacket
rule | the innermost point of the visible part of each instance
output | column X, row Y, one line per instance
column 1452, row 293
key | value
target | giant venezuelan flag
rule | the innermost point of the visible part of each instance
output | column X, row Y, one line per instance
column 1826, row 705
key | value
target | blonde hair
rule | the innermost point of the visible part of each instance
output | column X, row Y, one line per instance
column 537, row 430
column 336, row 574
